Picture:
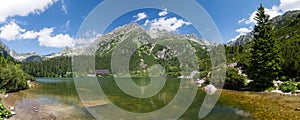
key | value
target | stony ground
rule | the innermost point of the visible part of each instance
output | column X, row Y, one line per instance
column 263, row 105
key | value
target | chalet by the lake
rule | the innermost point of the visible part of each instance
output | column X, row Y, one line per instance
column 102, row 72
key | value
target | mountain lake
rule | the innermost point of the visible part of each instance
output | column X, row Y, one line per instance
column 57, row 98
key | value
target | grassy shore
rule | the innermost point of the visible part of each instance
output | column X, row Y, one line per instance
column 266, row 106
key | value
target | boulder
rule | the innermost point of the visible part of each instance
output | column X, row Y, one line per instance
column 210, row 89
column 13, row 113
column 277, row 91
column 12, row 108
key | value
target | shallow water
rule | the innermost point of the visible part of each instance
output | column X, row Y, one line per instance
column 57, row 98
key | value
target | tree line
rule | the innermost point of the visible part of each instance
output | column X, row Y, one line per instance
column 273, row 54
column 54, row 67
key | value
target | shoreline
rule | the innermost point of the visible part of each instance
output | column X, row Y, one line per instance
column 264, row 105
column 7, row 103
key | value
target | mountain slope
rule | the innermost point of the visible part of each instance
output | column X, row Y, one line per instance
column 24, row 57
column 287, row 21
column 287, row 35
column 151, row 49
column 5, row 51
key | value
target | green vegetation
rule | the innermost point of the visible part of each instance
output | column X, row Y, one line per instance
column 55, row 67
column 262, row 105
column 234, row 81
column 274, row 52
column 289, row 38
column 288, row 86
column 147, row 55
column 4, row 113
column 265, row 60
column 12, row 76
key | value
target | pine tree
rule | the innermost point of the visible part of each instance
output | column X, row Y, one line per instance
column 265, row 59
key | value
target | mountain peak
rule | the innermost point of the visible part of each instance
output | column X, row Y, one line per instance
column 128, row 27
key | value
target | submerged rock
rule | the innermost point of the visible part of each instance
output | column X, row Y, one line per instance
column 200, row 82
column 242, row 113
column 210, row 89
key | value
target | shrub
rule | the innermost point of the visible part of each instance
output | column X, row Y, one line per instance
column 260, row 86
column 298, row 85
column 271, row 88
column 283, row 78
column 13, row 79
column 234, row 81
column 4, row 113
column 288, row 86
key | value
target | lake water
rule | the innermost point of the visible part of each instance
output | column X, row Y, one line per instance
column 58, row 98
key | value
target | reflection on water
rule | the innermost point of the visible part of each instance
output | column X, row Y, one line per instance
column 57, row 98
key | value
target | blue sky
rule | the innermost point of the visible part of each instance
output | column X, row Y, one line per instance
column 49, row 25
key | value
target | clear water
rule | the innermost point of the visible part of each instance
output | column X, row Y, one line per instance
column 58, row 97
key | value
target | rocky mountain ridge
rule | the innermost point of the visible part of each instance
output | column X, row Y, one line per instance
column 101, row 43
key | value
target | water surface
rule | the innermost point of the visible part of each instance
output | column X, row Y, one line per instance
column 57, row 98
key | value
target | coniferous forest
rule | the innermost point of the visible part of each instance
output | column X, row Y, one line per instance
column 12, row 77
column 54, row 67
column 273, row 53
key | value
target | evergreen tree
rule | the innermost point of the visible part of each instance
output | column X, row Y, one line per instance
column 265, row 59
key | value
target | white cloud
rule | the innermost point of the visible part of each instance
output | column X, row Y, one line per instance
column 287, row 5
column 167, row 24
column 273, row 12
column 163, row 13
column 58, row 41
column 63, row 7
column 284, row 6
column 10, row 8
column 241, row 31
column 146, row 22
column 29, row 35
column 67, row 26
column 140, row 16
column 242, row 20
column 11, row 31
column 90, row 33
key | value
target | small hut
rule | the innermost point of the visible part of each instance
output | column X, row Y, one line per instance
column 102, row 72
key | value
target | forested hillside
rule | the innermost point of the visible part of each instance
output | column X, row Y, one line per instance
column 282, row 39
column 12, row 77
column 54, row 67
